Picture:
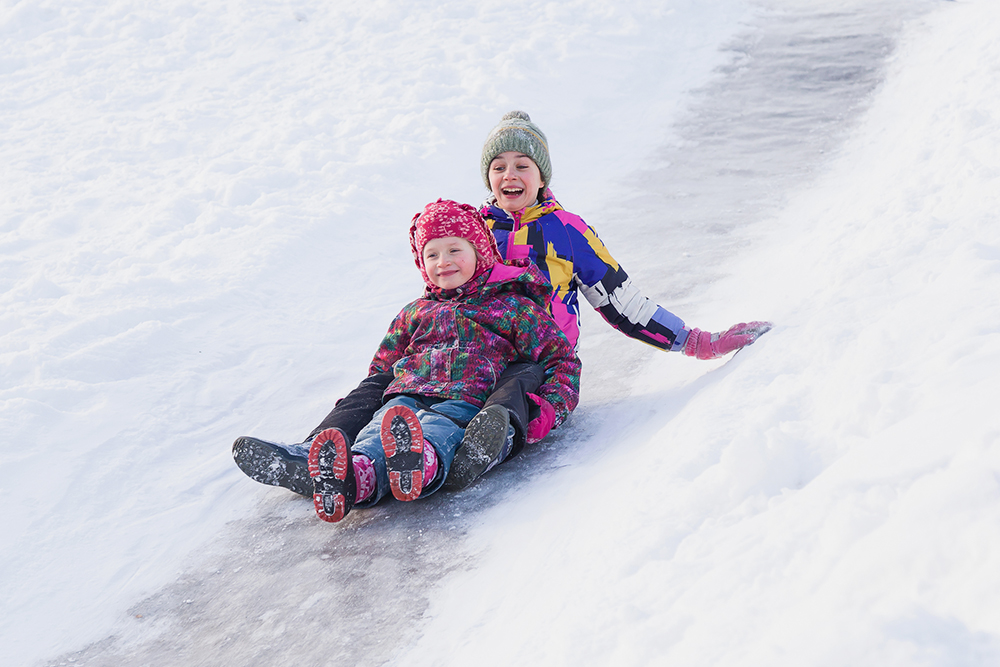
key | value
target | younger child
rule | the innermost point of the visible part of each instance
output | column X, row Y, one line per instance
column 445, row 351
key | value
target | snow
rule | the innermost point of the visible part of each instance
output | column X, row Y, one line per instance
column 203, row 236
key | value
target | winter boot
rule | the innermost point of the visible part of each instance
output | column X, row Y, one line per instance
column 403, row 443
column 332, row 470
column 488, row 440
column 275, row 464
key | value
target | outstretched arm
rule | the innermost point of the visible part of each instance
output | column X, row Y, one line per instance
column 609, row 290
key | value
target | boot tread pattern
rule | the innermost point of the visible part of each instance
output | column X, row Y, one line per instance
column 403, row 444
column 332, row 475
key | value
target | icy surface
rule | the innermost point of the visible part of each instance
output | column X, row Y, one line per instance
column 202, row 236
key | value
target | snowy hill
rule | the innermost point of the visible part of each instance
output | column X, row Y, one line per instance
column 203, row 234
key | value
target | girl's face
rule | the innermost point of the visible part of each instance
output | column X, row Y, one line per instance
column 450, row 261
column 515, row 180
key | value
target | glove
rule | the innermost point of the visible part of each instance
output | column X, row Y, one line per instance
column 540, row 426
column 705, row 345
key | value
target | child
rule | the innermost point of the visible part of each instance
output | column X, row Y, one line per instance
column 445, row 352
column 528, row 223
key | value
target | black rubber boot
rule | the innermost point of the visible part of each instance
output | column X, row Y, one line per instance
column 482, row 444
column 511, row 392
column 275, row 464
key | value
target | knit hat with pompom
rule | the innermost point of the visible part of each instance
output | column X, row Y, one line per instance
column 449, row 218
column 516, row 132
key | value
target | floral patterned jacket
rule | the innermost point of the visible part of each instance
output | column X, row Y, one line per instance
column 455, row 343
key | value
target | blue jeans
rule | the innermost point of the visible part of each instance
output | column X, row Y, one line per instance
column 444, row 434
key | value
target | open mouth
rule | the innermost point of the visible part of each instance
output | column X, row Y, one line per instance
column 512, row 192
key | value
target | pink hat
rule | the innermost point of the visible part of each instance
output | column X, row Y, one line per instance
column 449, row 218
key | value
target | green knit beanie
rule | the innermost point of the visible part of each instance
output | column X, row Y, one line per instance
column 516, row 132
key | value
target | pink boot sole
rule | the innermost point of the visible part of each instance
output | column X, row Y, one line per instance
column 332, row 472
column 403, row 444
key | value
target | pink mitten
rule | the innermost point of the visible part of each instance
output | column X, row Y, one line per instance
column 540, row 426
column 705, row 345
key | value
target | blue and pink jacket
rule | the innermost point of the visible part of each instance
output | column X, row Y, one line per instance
column 569, row 253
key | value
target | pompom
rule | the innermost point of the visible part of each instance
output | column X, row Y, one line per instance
column 511, row 115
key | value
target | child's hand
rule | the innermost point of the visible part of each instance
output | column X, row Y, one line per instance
column 705, row 345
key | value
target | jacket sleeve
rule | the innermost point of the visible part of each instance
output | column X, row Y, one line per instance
column 610, row 291
column 539, row 339
column 395, row 343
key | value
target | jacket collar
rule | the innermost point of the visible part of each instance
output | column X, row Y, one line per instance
column 525, row 215
column 472, row 287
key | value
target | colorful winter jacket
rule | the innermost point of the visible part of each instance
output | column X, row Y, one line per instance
column 455, row 343
column 569, row 253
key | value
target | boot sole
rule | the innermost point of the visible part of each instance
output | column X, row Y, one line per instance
column 483, row 440
column 264, row 462
column 332, row 472
column 403, row 444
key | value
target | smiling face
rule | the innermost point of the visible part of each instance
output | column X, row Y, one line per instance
column 515, row 180
column 450, row 261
